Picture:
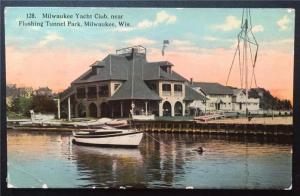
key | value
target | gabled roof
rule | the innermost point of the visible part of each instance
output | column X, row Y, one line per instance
column 113, row 67
column 252, row 93
column 136, row 90
column 212, row 88
column 118, row 67
column 191, row 94
column 134, row 70
column 154, row 71
column 237, row 91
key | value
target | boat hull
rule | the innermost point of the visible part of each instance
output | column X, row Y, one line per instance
column 124, row 140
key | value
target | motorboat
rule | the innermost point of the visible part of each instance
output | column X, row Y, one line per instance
column 108, row 136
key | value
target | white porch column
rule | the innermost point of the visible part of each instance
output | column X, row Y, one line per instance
column 69, row 109
column 122, row 109
column 58, row 108
column 146, row 107
column 183, row 108
column 87, row 110
column 172, row 109
column 160, row 109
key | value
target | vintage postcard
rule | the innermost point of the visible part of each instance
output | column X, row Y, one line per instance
column 181, row 98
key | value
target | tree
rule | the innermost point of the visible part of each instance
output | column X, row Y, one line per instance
column 43, row 104
column 21, row 105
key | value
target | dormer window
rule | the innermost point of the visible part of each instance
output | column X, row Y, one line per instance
column 167, row 69
column 116, row 86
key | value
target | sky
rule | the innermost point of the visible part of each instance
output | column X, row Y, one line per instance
column 202, row 43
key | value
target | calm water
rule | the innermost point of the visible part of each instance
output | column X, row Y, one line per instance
column 38, row 158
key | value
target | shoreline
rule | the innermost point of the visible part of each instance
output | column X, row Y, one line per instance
column 277, row 126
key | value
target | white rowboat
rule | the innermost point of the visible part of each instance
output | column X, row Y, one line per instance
column 109, row 137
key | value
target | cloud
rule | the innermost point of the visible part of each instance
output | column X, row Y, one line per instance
column 144, row 24
column 257, row 28
column 283, row 23
column 161, row 17
column 231, row 22
column 140, row 41
column 210, row 38
column 184, row 46
column 50, row 37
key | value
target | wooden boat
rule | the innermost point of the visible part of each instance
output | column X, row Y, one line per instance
column 108, row 137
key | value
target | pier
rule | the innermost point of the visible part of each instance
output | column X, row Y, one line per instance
column 214, row 128
column 240, row 126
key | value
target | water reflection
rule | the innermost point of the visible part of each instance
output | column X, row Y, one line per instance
column 109, row 167
column 162, row 160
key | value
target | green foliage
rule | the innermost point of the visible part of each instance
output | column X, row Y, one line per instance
column 21, row 105
column 267, row 101
column 43, row 104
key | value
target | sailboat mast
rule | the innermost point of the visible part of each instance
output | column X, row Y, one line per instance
column 132, row 82
column 110, row 66
column 246, row 63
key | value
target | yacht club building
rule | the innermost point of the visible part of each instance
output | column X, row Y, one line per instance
column 126, row 81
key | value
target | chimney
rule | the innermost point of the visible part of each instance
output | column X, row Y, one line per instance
column 191, row 81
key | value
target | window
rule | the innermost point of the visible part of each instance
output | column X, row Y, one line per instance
column 178, row 88
column 81, row 92
column 92, row 92
column 166, row 68
column 103, row 90
column 116, row 86
column 166, row 87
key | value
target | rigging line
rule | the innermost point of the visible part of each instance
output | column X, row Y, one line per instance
column 25, row 172
column 244, row 64
column 241, row 78
column 255, row 80
column 242, row 18
column 250, row 19
column 251, row 63
column 232, row 64
column 156, row 139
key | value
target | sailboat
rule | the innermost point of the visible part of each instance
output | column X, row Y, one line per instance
column 246, row 50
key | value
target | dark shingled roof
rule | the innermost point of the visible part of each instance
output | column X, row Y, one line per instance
column 191, row 94
column 117, row 71
column 132, row 69
column 213, row 88
column 139, row 90
column 153, row 71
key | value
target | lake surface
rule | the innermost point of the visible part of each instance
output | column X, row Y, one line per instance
column 161, row 161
